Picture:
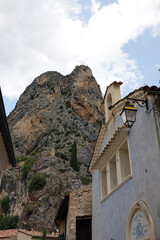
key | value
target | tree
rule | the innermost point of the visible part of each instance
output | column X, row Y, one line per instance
column 5, row 204
column 73, row 160
column 44, row 235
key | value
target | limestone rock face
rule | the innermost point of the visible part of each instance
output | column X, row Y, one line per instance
column 53, row 112
column 56, row 108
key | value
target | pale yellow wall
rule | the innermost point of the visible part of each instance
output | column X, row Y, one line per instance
column 114, row 92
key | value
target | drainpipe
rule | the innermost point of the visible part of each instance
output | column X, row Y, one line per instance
column 156, row 117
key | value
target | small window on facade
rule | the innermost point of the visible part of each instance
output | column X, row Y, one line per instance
column 124, row 161
column 104, row 182
column 113, row 172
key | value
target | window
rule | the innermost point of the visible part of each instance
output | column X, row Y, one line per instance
column 113, row 173
column 116, row 171
column 124, row 161
column 109, row 101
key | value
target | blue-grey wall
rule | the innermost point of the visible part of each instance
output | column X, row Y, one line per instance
column 110, row 216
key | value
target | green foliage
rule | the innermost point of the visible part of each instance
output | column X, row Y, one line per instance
column 28, row 211
column 68, row 104
column 9, row 222
column 36, row 152
column 86, row 180
column 37, row 182
column 44, row 235
column 5, row 204
column 21, row 159
column 73, row 160
column 64, row 91
column 51, row 164
column 81, row 145
column 57, row 154
column 27, row 166
column 58, row 147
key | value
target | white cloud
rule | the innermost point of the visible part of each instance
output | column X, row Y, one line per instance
column 37, row 36
column 95, row 6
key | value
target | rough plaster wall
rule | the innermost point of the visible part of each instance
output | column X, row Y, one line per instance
column 13, row 238
column 80, row 204
column 22, row 236
column 109, row 217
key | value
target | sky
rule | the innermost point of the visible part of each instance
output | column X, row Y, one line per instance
column 119, row 40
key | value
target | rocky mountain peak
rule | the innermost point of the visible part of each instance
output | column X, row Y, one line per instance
column 53, row 116
column 53, row 101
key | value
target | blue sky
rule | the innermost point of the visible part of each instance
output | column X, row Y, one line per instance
column 119, row 40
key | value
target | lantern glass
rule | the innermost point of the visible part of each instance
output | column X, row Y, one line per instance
column 129, row 115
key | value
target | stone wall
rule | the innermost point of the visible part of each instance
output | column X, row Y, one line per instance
column 80, row 205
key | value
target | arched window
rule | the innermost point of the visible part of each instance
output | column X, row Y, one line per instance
column 109, row 101
column 140, row 224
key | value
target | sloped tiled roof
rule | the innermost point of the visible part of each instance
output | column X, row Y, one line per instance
column 118, row 137
column 8, row 233
column 146, row 89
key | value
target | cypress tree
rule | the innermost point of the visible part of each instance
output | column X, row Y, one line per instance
column 44, row 235
column 73, row 161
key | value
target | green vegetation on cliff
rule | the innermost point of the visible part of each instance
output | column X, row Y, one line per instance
column 9, row 222
column 37, row 182
column 5, row 204
column 73, row 161
column 27, row 166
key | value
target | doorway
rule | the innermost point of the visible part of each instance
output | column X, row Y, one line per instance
column 83, row 229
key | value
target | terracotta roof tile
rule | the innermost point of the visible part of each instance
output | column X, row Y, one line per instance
column 8, row 233
column 144, row 88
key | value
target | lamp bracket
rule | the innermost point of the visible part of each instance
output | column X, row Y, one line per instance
column 144, row 102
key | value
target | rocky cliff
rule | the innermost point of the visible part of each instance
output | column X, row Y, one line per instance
column 54, row 113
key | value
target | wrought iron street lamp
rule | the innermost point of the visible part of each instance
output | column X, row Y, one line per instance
column 128, row 113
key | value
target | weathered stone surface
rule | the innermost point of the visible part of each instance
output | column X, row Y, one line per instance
column 52, row 113
column 80, row 205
